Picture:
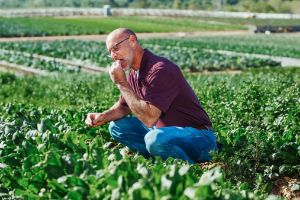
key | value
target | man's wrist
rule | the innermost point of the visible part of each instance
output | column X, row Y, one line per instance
column 104, row 115
column 122, row 85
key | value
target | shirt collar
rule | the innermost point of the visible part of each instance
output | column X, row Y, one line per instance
column 144, row 62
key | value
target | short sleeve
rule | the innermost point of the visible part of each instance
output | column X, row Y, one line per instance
column 161, row 89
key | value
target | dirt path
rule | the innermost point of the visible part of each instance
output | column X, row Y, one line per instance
column 140, row 36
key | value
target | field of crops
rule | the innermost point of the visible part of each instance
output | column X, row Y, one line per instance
column 20, row 26
column 190, row 54
column 46, row 150
column 16, row 27
column 275, row 45
column 47, row 26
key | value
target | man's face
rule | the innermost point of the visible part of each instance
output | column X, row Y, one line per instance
column 119, row 49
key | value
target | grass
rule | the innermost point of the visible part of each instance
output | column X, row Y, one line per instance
column 40, row 26
column 101, row 25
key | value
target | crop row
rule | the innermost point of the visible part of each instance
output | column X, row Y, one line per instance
column 188, row 58
column 48, row 149
column 195, row 59
column 275, row 45
column 92, row 52
column 29, row 61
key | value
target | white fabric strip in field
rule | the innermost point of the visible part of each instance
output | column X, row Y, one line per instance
column 78, row 63
column 6, row 66
column 285, row 61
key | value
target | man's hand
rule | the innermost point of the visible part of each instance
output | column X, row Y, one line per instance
column 95, row 119
column 117, row 73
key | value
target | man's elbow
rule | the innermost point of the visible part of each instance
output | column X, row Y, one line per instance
column 151, row 117
column 150, row 121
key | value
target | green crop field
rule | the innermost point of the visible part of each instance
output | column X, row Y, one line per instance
column 15, row 27
column 48, row 152
column 46, row 26
column 196, row 54
column 275, row 45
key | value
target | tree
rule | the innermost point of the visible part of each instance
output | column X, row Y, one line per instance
column 232, row 2
column 141, row 3
column 176, row 4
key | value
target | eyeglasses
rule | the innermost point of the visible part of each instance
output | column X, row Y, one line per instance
column 115, row 47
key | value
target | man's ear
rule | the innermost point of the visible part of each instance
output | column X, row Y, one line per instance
column 132, row 40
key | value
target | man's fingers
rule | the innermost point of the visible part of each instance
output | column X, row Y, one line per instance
column 98, row 123
column 89, row 119
column 98, row 120
column 94, row 119
column 92, row 116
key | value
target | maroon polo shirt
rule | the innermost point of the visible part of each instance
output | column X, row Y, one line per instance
column 161, row 83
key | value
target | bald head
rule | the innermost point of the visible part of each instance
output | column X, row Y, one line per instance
column 120, row 33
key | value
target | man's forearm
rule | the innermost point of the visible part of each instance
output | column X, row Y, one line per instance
column 138, row 106
column 117, row 111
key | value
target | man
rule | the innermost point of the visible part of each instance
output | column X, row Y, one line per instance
column 169, row 120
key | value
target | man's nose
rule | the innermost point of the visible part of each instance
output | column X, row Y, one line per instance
column 113, row 55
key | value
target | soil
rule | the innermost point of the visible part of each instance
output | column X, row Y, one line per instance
column 282, row 187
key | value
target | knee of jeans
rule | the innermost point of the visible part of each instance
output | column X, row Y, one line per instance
column 153, row 145
column 116, row 129
column 111, row 128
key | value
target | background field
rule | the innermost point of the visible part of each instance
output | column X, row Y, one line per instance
column 193, row 54
column 15, row 27
column 47, row 152
column 12, row 27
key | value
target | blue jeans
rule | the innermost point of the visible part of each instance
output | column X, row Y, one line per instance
column 185, row 143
